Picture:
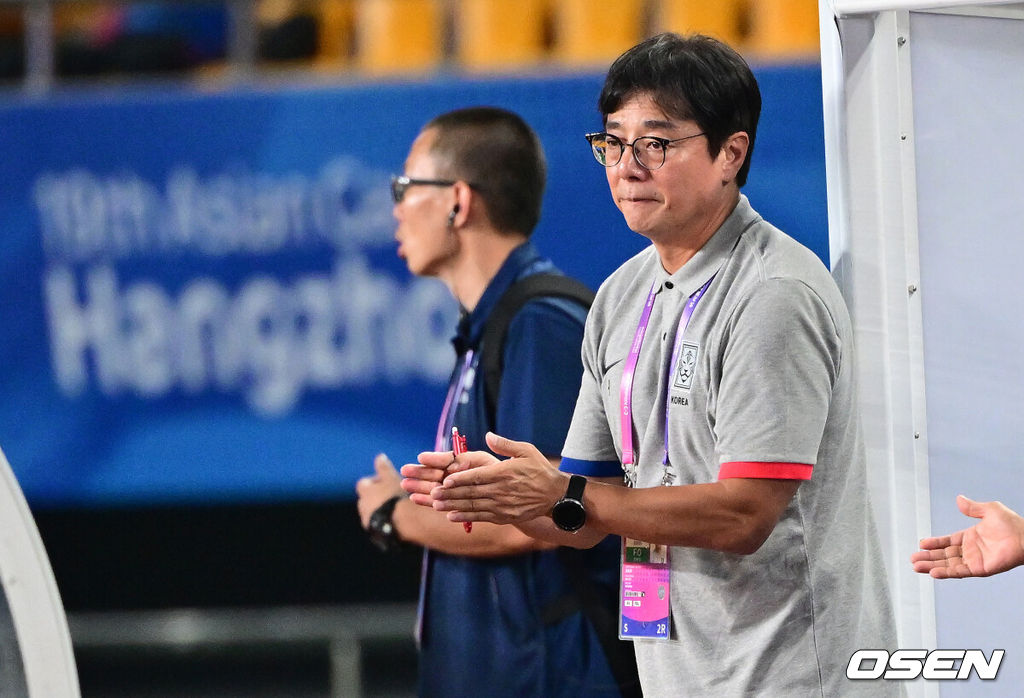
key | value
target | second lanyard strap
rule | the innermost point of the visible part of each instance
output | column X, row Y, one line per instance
column 629, row 370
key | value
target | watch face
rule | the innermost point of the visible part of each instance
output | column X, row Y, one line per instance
column 569, row 515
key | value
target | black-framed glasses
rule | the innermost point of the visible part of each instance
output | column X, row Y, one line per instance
column 649, row 151
column 399, row 183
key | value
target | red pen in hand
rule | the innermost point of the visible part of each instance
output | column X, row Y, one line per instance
column 459, row 446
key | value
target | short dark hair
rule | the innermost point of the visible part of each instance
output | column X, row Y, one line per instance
column 690, row 77
column 500, row 155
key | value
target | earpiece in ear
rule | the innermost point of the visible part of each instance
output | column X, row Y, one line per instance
column 451, row 216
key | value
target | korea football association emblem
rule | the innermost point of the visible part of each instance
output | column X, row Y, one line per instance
column 686, row 365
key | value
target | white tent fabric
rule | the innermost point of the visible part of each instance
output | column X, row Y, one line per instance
column 35, row 648
column 922, row 106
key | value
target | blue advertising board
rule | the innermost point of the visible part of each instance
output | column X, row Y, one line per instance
column 199, row 294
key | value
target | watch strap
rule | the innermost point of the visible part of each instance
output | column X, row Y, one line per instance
column 381, row 526
column 575, row 488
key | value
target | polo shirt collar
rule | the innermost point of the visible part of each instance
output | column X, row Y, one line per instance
column 712, row 256
column 471, row 324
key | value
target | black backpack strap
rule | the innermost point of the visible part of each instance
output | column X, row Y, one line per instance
column 604, row 619
column 492, row 344
column 585, row 596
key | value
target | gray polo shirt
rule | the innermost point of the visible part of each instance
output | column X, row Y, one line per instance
column 763, row 387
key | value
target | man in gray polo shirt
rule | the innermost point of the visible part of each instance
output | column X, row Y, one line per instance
column 718, row 370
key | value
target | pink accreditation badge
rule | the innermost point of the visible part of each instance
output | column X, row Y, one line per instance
column 644, row 596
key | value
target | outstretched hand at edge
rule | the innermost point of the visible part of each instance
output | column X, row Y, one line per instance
column 994, row 545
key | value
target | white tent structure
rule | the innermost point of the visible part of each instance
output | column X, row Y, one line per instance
column 35, row 648
column 923, row 104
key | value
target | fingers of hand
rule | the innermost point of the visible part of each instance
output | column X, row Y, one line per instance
column 468, row 510
column 462, row 498
column 952, row 571
column 499, row 444
column 418, row 487
column 420, row 480
column 938, row 542
column 373, row 486
column 470, row 517
column 411, row 471
column 462, row 474
column 504, row 487
column 382, row 464
column 435, row 459
column 362, row 484
column 461, row 463
column 507, row 447
column 950, row 552
column 969, row 507
column 424, row 500
column 939, row 562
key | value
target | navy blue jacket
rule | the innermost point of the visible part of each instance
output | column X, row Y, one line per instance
column 507, row 626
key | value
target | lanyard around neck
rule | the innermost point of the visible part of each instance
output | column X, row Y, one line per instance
column 629, row 371
column 444, row 425
column 626, row 384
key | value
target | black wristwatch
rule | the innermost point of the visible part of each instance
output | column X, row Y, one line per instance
column 569, row 514
column 381, row 527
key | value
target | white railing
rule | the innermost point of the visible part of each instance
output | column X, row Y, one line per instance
column 339, row 633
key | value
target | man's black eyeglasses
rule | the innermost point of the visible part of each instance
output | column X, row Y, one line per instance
column 399, row 183
column 648, row 150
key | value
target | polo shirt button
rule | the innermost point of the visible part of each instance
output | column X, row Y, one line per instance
column 669, row 284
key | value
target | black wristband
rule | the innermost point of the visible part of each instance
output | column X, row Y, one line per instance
column 381, row 527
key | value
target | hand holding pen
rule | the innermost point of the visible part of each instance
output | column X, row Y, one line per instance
column 459, row 446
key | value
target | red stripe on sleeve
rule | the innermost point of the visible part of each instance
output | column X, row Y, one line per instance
column 774, row 471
